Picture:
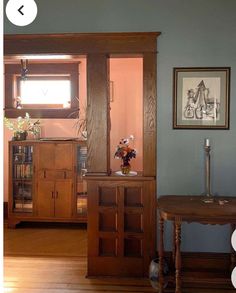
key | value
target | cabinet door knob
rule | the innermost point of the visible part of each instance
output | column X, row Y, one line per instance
column 52, row 194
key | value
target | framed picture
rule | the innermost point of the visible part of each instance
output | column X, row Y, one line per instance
column 201, row 98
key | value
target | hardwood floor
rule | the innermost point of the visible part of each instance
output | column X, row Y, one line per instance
column 29, row 274
column 42, row 239
column 67, row 275
column 62, row 274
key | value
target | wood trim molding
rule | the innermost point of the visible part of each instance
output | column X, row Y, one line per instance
column 80, row 43
column 42, row 113
column 149, row 113
column 12, row 77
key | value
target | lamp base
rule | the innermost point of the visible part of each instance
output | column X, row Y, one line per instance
column 208, row 199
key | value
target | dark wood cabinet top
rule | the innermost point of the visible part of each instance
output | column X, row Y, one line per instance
column 194, row 209
column 115, row 177
column 59, row 140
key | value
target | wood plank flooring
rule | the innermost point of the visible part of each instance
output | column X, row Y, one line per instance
column 42, row 239
column 27, row 273
column 67, row 275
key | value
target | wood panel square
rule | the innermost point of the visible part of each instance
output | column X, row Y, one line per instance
column 108, row 247
column 133, row 247
column 107, row 196
column 108, row 221
column 133, row 197
column 133, row 222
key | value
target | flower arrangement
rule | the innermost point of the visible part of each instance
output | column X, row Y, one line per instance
column 23, row 125
column 125, row 153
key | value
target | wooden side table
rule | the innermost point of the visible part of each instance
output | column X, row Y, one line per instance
column 189, row 209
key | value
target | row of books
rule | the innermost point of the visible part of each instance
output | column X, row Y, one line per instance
column 23, row 153
column 82, row 159
column 23, row 206
column 22, row 193
column 81, row 205
column 82, row 188
column 22, row 171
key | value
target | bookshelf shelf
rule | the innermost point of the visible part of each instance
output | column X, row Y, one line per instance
column 22, row 179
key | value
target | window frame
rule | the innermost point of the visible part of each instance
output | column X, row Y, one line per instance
column 12, row 73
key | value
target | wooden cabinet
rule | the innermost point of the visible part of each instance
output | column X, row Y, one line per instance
column 44, row 177
column 55, row 186
column 54, row 198
column 121, row 225
column 56, row 156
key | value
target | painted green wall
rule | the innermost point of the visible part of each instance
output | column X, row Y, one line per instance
column 194, row 33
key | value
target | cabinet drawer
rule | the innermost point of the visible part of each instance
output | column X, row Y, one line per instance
column 55, row 174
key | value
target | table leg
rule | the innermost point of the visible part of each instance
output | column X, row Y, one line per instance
column 161, row 254
column 173, row 246
column 177, row 257
column 233, row 253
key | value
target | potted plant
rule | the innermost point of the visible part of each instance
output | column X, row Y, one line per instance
column 23, row 126
column 81, row 122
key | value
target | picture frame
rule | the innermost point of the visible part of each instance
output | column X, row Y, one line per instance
column 201, row 97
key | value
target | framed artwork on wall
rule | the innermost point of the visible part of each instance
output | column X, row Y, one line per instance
column 201, row 97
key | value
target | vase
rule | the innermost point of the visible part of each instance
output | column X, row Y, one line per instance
column 125, row 168
column 154, row 272
column 37, row 132
column 20, row 135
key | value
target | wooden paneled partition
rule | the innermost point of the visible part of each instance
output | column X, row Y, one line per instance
column 121, row 209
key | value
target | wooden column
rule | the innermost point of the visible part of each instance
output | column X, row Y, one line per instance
column 149, row 113
column 98, row 115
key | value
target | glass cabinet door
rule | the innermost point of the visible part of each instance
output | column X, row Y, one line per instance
column 22, row 178
column 81, row 206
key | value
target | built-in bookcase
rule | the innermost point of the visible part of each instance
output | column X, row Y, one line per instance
column 46, row 181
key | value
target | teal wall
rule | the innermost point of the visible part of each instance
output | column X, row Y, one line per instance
column 194, row 33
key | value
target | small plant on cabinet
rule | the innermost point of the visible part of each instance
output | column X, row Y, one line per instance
column 22, row 127
column 125, row 153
